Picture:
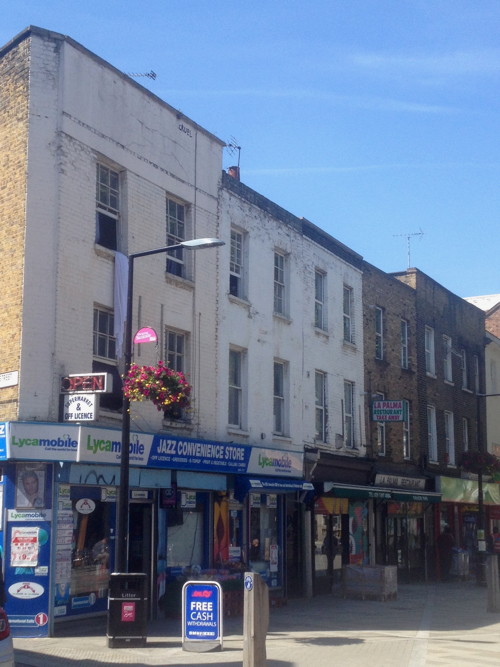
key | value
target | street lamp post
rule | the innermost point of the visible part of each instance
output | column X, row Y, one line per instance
column 121, row 554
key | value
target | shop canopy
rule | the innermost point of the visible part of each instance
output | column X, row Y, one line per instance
column 244, row 485
column 381, row 493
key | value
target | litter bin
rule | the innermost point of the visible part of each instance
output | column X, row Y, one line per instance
column 127, row 610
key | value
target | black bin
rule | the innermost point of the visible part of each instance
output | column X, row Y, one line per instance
column 127, row 609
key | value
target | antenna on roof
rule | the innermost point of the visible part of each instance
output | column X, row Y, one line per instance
column 408, row 241
column 150, row 75
column 232, row 147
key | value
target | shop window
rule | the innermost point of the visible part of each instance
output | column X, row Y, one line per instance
column 185, row 533
column 84, row 565
column 264, row 552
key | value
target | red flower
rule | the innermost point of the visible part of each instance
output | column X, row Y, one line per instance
column 159, row 384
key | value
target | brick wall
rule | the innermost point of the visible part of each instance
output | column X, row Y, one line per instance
column 386, row 376
column 452, row 316
column 13, row 149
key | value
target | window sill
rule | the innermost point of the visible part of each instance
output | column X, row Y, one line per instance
column 450, row 383
column 179, row 281
column 277, row 437
column 323, row 333
column 178, row 424
column 234, row 430
column 105, row 253
column 112, row 415
column 349, row 343
column 283, row 318
column 433, row 376
column 467, row 391
column 239, row 300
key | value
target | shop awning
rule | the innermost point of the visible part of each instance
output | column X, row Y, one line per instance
column 381, row 493
column 244, row 485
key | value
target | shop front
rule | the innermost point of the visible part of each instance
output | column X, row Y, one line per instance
column 59, row 488
column 459, row 510
column 375, row 525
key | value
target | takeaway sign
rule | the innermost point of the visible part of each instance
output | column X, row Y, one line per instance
column 387, row 411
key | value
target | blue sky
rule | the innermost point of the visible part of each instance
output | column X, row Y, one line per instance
column 378, row 120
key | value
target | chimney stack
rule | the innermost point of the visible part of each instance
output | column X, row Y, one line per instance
column 234, row 172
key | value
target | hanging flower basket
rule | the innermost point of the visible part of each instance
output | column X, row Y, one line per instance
column 480, row 462
column 166, row 388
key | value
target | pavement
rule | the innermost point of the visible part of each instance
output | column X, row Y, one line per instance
column 443, row 624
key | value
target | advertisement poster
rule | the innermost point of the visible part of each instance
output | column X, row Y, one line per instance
column 24, row 546
column 30, row 485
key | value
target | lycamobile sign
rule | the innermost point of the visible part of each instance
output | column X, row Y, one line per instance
column 277, row 462
column 43, row 442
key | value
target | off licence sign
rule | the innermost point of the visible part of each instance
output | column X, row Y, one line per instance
column 387, row 411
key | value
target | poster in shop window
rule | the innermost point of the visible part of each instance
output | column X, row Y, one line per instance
column 24, row 546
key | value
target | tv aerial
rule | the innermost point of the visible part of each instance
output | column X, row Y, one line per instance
column 149, row 75
column 408, row 238
column 233, row 147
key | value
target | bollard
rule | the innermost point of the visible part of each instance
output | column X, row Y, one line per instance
column 492, row 583
column 255, row 620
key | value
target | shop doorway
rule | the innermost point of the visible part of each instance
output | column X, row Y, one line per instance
column 141, row 547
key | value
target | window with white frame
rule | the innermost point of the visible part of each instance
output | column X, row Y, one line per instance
column 430, row 357
column 175, row 355
column 320, row 299
column 176, row 233
column 431, row 433
column 381, row 431
column 465, row 370
column 379, row 333
column 104, row 345
column 465, row 434
column 235, row 408
column 493, row 377
column 104, row 352
column 449, row 435
column 280, row 284
column 320, row 406
column 237, row 265
column 107, row 206
column 476, row 373
column 404, row 343
column 175, row 350
column 279, row 398
column 447, row 359
column 349, row 440
column 347, row 304
column 406, row 430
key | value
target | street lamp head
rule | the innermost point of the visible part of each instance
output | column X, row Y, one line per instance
column 202, row 243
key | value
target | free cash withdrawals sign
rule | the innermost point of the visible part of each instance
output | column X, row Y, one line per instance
column 387, row 411
column 201, row 614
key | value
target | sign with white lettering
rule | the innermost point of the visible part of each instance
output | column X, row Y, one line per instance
column 201, row 615
column 387, row 411
column 146, row 335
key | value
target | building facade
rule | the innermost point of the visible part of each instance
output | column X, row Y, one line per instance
column 450, row 367
column 291, row 319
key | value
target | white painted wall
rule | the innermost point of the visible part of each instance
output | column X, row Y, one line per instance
column 250, row 325
column 83, row 110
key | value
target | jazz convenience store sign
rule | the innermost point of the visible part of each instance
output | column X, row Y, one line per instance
column 91, row 444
